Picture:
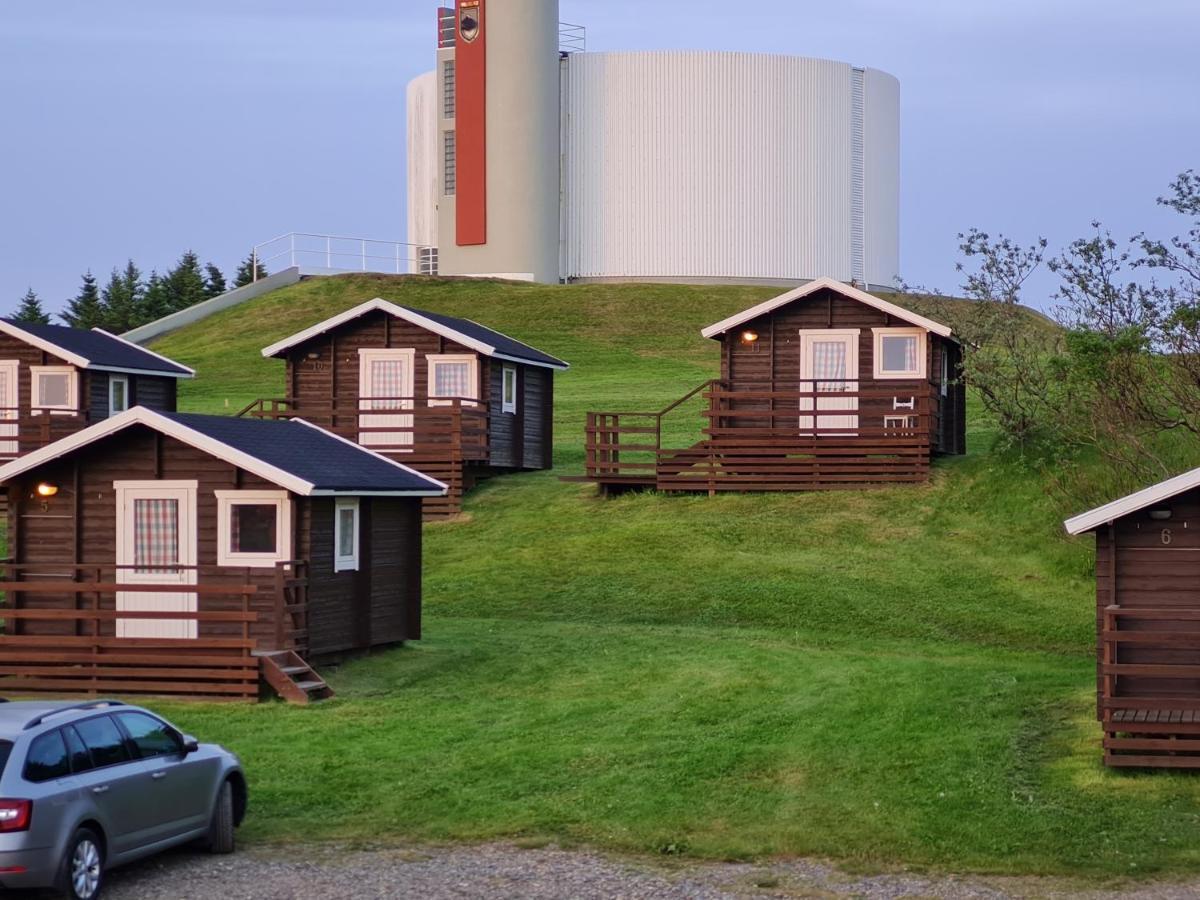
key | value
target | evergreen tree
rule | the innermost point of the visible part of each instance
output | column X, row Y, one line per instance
column 31, row 311
column 155, row 299
column 122, row 298
column 85, row 310
column 245, row 271
column 214, row 281
column 185, row 283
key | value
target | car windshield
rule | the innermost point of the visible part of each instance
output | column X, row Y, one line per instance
column 5, row 750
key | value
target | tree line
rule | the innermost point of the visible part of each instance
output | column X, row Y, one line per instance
column 1119, row 380
column 129, row 300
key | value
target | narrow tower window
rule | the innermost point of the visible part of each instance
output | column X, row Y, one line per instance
column 451, row 163
column 448, row 88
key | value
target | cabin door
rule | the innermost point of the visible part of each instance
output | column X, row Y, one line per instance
column 829, row 369
column 156, row 545
column 385, row 382
column 10, row 404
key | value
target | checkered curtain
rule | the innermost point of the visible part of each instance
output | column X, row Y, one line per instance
column 155, row 535
column 387, row 380
column 829, row 365
column 451, row 380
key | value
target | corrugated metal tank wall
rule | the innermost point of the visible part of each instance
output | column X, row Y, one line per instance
column 706, row 165
column 422, row 160
column 882, row 169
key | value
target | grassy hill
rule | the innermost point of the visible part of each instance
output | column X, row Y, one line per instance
column 902, row 676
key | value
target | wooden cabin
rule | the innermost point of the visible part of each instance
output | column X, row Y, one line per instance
column 55, row 381
column 454, row 398
column 823, row 387
column 167, row 553
column 1148, row 623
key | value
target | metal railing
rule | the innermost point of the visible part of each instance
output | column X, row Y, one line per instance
column 345, row 253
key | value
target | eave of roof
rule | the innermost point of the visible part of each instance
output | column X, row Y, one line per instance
column 177, row 370
column 414, row 318
column 719, row 328
column 1132, row 503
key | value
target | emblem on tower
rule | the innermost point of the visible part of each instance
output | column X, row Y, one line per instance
column 468, row 20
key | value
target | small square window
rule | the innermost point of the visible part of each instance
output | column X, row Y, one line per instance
column 452, row 376
column 55, row 389
column 510, row 389
column 253, row 528
column 345, row 535
column 118, row 394
column 900, row 353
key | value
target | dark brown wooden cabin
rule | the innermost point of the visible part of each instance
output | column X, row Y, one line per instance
column 823, row 387
column 453, row 398
column 1148, row 623
column 55, row 381
column 166, row 553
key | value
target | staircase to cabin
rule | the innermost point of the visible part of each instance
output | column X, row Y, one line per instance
column 289, row 676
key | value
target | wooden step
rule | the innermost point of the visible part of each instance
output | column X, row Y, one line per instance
column 292, row 678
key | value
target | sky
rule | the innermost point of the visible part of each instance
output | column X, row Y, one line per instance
column 142, row 128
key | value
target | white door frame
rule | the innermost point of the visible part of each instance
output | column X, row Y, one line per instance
column 10, row 409
column 388, row 440
column 849, row 421
column 184, row 492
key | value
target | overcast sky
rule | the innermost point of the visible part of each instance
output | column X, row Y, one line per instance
column 144, row 127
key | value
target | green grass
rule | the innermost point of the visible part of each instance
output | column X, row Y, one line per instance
column 896, row 677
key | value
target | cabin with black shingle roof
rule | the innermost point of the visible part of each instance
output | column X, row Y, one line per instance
column 171, row 553
column 453, row 398
column 56, row 380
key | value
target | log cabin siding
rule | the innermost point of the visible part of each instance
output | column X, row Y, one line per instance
column 150, row 391
column 773, row 363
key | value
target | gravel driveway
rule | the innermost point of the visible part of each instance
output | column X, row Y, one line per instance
column 505, row 871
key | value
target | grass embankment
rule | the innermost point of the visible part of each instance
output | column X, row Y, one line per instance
column 902, row 676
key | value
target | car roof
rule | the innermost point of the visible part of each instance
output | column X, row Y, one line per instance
column 17, row 714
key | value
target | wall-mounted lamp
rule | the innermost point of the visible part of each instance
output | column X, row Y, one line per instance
column 1160, row 514
column 313, row 355
column 749, row 337
column 46, row 489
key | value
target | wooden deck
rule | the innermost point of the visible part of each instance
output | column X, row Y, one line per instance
column 1150, row 687
column 754, row 440
column 448, row 441
column 58, row 632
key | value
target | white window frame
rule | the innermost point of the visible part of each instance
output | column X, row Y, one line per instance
column 508, row 406
column 945, row 372
column 117, row 379
column 922, row 351
column 346, row 563
column 35, row 388
column 282, row 502
column 434, row 359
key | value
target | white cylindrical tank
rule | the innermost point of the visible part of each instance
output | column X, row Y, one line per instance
column 523, row 146
column 422, row 161
column 729, row 166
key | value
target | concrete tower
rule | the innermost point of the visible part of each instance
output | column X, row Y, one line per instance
column 499, row 136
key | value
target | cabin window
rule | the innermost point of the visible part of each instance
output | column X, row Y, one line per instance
column 118, row 394
column 945, row 372
column 254, row 528
column 453, row 376
column 55, row 389
column 510, row 389
column 345, row 535
column 899, row 353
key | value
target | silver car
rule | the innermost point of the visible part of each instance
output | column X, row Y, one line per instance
column 85, row 787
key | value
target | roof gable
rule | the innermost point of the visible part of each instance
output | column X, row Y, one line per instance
column 295, row 455
column 1132, row 503
column 769, row 306
column 96, row 349
column 480, row 338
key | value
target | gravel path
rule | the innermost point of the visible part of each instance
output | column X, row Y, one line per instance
column 505, row 871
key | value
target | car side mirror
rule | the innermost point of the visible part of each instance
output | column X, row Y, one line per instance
column 190, row 744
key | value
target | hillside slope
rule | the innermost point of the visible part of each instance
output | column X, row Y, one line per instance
column 901, row 676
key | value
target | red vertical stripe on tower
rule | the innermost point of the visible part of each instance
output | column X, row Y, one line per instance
column 470, row 72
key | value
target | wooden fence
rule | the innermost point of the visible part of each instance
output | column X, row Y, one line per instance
column 1150, row 687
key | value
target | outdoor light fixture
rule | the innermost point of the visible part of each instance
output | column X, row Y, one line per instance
column 46, row 489
column 1160, row 514
column 749, row 337
column 314, row 355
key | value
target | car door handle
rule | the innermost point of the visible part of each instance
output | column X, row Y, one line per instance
column 158, row 775
column 102, row 789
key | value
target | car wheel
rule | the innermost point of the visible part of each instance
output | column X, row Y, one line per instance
column 220, row 830
column 82, row 876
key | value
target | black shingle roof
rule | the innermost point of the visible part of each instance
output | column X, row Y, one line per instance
column 504, row 345
column 101, row 350
column 308, row 453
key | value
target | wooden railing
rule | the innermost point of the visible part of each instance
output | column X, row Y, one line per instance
column 453, row 427
column 23, row 431
column 1150, row 686
column 769, row 439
